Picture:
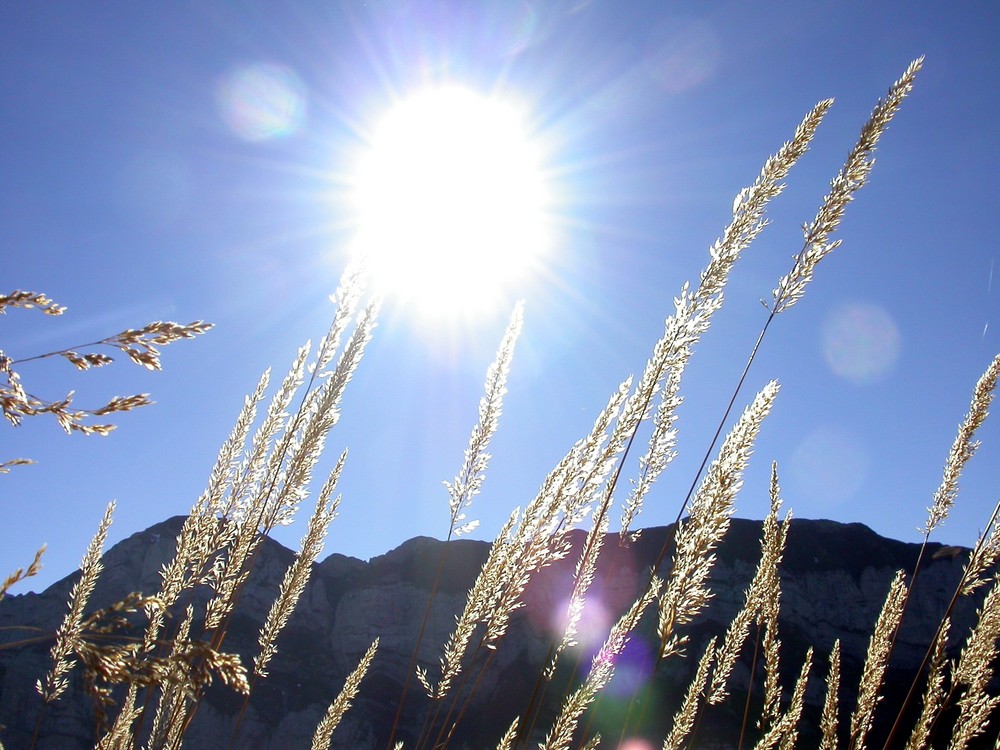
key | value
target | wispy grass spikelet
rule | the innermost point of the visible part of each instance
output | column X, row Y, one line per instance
column 685, row 716
column 119, row 737
column 686, row 592
column 69, row 632
column 347, row 298
column 479, row 602
column 771, row 647
column 975, row 670
column 470, row 478
column 749, row 205
column 282, row 493
column 528, row 542
column 297, row 575
column 28, row 300
column 507, row 741
column 583, row 578
column 226, row 463
column 760, row 594
column 200, row 536
column 140, row 345
column 602, row 669
column 170, row 705
column 983, row 558
column 189, row 668
column 16, row 403
column 964, row 447
column 770, row 608
column 876, row 662
column 6, row 466
column 236, row 502
column 693, row 312
column 851, row 178
column 934, row 692
column 829, row 719
column 322, row 412
column 257, row 470
column 784, row 732
column 339, row 707
column 660, row 451
column 566, row 496
column 21, row 573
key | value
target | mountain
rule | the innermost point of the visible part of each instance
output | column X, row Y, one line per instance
column 834, row 580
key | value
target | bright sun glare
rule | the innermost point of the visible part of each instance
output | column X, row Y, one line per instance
column 451, row 201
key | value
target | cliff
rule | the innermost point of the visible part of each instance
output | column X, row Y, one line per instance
column 834, row 579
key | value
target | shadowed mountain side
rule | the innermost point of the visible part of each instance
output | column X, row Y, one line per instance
column 834, row 579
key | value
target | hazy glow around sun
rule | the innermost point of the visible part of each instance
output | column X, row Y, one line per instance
column 451, row 201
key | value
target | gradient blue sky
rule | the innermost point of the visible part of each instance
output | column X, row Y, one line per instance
column 129, row 193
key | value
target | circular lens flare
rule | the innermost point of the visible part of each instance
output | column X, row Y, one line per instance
column 861, row 342
column 451, row 202
column 830, row 466
column 635, row 743
column 263, row 101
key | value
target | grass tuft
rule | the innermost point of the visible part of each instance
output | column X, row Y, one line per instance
column 147, row 688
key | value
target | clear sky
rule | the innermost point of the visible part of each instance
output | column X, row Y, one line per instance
column 194, row 160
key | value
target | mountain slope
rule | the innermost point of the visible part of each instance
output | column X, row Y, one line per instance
column 834, row 579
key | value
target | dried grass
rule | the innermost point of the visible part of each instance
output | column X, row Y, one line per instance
column 69, row 635
column 337, row 709
column 964, row 447
column 469, row 481
column 21, row 573
column 602, row 669
column 877, row 662
column 829, row 721
column 139, row 345
column 262, row 476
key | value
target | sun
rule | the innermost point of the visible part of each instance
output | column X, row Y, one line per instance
column 451, row 202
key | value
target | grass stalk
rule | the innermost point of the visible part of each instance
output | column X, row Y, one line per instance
column 260, row 481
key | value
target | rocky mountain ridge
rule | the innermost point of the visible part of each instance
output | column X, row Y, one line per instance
column 834, row 580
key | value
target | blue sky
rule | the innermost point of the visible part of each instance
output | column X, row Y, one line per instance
column 131, row 191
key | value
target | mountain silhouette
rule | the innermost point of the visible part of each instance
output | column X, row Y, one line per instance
column 834, row 580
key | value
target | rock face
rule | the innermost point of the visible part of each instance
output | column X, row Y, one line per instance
column 834, row 580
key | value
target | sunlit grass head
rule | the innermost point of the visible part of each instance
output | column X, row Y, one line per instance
column 451, row 201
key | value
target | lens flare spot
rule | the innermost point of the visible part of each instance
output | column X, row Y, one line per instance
column 830, row 466
column 635, row 743
column 263, row 101
column 592, row 627
column 861, row 342
column 633, row 668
